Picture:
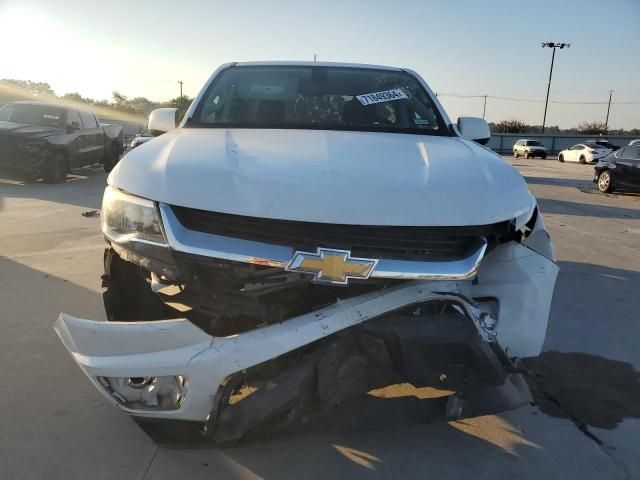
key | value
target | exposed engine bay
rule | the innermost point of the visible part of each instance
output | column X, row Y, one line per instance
column 443, row 335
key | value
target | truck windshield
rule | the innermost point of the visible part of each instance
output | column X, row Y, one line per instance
column 318, row 97
column 45, row 115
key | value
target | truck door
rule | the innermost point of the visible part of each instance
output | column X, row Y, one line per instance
column 93, row 138
column 75, row 144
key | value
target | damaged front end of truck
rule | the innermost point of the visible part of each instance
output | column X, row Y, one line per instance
column 232, row 322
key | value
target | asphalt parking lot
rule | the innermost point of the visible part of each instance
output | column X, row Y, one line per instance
column 55, row 425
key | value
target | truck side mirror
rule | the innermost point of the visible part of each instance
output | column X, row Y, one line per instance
column 473, row 128
column 74, row 126
column 162, row 120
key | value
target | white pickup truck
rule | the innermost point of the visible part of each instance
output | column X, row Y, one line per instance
column 308, row 233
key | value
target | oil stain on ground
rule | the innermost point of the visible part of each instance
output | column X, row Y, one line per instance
column 589, row 389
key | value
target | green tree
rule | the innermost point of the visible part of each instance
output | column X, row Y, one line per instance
column 76, row 97
column 592, row 128
column 11, row 89
column 511, row 126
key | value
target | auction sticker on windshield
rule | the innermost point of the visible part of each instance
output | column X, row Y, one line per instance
column 379, row 97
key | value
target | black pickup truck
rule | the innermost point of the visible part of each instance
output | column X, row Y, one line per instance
column 46, row 140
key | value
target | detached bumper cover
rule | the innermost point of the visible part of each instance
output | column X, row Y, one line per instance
column 519, row 278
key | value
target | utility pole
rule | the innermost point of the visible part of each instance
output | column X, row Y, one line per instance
column 606, row 122
column 484, row 108
column 180, row 82
column 314, row 57
column 553, row 56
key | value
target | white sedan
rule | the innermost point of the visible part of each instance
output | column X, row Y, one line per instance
column 584, row 153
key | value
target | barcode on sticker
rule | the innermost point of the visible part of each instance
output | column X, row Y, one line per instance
column 379, row 97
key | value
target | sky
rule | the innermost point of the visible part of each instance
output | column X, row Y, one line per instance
column 461, row 47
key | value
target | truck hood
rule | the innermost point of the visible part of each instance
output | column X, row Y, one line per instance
column 327, row 176
column 27, row 130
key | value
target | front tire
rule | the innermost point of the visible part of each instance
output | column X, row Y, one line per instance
column 526, row 154
column 561, row 158
column 543, row 156
column 515, row 154
column 605, row 184
column 55, row 169
column 110, row 162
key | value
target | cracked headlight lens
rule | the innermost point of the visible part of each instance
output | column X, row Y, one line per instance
column 128, row 218
column 146, row 393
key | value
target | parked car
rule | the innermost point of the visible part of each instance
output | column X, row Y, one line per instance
column 529, row 148
column 605, row 144
column 635, row 142
column 620, row 169
column 325, row 229
column 47, row 140
column 141, row 138
column 584, row 153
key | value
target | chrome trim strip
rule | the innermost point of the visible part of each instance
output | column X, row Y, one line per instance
column 217, row 246
column 258, row 253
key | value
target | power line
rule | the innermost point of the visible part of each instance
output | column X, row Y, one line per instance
column 532, row 100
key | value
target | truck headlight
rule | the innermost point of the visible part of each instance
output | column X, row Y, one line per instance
column 128, row 218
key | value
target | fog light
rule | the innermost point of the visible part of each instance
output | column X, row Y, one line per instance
column 146, row 393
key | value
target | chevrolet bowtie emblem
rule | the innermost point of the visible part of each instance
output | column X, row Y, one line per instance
column 332, row 267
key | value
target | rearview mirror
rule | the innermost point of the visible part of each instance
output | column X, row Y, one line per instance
column 473, row 128
column 162, row 120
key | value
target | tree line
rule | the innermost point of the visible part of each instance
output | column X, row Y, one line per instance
column 136, row 107
column 584, row 128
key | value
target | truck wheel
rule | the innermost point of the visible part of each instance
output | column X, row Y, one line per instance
column 55, row 169
column 29, row 177
column 112, row 159
column 515, row 154
column 604, row 181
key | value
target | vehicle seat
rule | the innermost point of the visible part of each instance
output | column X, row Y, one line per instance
column 270, row 111
column 354, row 113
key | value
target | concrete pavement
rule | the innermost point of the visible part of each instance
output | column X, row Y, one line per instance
column 55, row 425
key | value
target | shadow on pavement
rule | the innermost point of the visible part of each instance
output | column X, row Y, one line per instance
column 54, row 423
column 83, row 188
column 562, row 182
column 565, row 207
column 455, row 450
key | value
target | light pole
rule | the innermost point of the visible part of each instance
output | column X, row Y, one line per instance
column 606, row 122
column 180, row 82
column 553, row 56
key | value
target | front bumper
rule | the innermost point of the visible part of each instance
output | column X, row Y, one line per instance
column 521, row 280
column 535, row 153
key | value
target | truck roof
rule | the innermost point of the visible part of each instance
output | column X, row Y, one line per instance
column 315, row 64
column 38, row 102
